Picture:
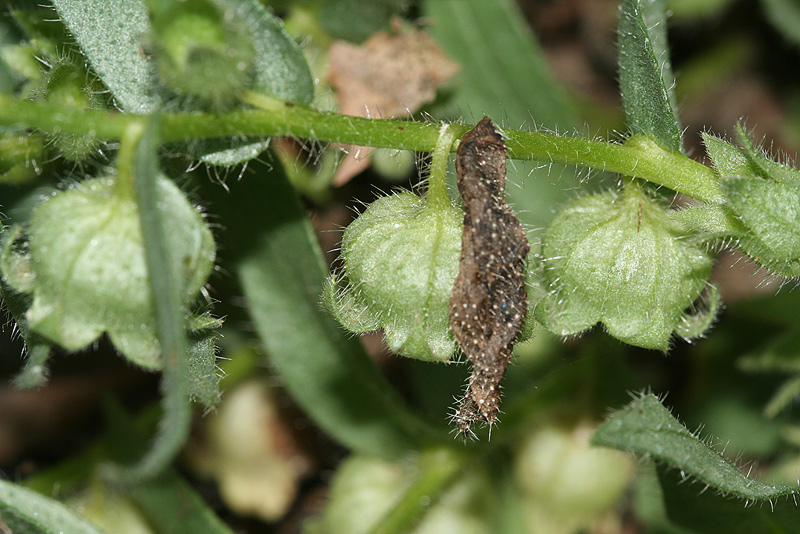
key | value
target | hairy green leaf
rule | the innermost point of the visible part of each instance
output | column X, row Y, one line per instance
column 166, row 293
column 646, row 427
column 24, row 510
column 269, row 243
column 111, row 35
column 707, row 512
column 645, row 73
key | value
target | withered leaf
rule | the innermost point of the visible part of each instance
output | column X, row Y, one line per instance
column 389, row 75
column 488, row 304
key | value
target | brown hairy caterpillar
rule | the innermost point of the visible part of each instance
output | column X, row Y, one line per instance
column 488, row 304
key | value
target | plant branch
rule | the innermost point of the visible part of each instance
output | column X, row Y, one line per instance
column 639, row 157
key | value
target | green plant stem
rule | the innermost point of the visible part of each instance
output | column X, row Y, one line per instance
column 438, row 469
column 639, row 157
column 124, row 185
column 437, row 181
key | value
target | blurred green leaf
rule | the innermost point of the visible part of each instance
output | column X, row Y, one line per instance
column 355, row 20
column 780, row 354
column 279, row 66
column 645, row 73
column 645, row 427
column 25, row 511
column 172, row 506
column 115, row 50
column 269, row 243
column 505, row 75
column 785, row 16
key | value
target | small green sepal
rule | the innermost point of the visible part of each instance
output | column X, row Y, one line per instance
column 762, row 203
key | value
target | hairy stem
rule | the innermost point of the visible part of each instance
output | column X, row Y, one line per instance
column 638, row 157
column 437, row 181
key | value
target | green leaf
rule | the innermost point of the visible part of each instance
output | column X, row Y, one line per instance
column 646, row 427
column 25, row 511
column 269, row 242
column 172, row 506
column 505, row 75
column 111, row 35
column 355, row 20
column 714, row 219
column 785, row 16
column 279, row 66
column 645, row 73
column 707, row 512
column 728, row 160
column 166, row 291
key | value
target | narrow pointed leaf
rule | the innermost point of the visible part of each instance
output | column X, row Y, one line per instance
column 694, row 510
column 645, row 427
column 645, row 73
column 24, row 510
column 166, row 293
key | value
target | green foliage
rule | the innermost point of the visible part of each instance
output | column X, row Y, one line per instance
column 645, row 427
column 762, row 208
column 645, row 73
column 479, row 35
column 24, row 510
column 116, row 96
column 200, row 52
column 114, row 49
column 279, row 264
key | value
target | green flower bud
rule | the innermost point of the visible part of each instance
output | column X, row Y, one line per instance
column 763, row 203
column 86, row 270
column 200, row 51
column 400, row 261
column 621, row 261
